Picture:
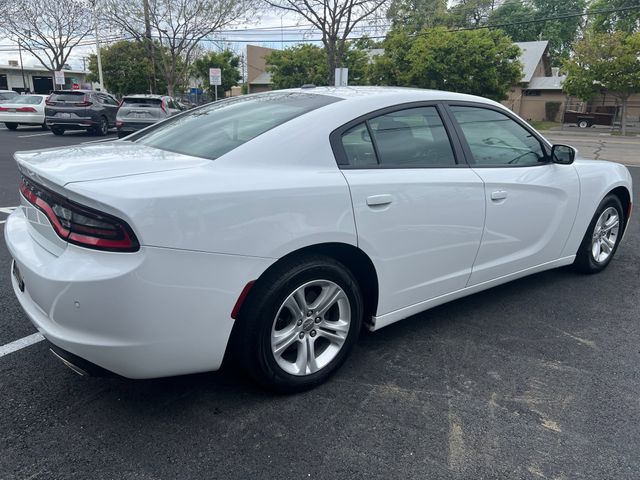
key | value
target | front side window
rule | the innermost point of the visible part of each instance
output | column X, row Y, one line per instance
column 219, row 127
column 497, row 140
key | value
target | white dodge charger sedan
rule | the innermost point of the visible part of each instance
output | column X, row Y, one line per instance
column 273, row 226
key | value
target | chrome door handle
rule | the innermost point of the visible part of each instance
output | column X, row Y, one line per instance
column 379, row 200
column 499, row 195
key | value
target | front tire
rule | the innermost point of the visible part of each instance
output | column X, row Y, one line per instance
column 602, row 238
column 299, row 323
column 11, row 126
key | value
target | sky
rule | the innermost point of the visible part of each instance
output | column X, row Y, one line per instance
column 270, row 30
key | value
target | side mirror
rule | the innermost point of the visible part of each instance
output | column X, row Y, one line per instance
column 563, row 154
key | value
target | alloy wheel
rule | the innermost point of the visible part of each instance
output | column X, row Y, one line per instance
column 605, row 234
column 311, row 327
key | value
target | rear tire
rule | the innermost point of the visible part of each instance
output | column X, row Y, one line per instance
column 57, row 130
column 602, row 238
column 11, row 126
column 584, row 124
column 289, row 352
column 103, row 127
column 44, row 126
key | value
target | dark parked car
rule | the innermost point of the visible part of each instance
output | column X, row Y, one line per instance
column 139, row 111
column 81, row 110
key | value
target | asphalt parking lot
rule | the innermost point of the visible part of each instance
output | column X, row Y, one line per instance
column 535, row 379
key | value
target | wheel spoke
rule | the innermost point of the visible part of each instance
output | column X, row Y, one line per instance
column 339, row 326
column 595, row 250
column 281, row 340
column 294, row 307
column 329, row 296
column 312, row 366
column 612, row 222
column 607, row 245
column 302, row 357
column 337, row 338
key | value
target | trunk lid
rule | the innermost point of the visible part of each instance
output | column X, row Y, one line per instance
column 61, row 166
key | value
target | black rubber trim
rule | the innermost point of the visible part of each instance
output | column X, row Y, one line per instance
column 86, row 366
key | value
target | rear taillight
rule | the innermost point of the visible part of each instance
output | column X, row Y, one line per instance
column 2, row 109
column 119, row 124
column 78, row 224
column 26, row 110
column 163, row 106
column 49, row 102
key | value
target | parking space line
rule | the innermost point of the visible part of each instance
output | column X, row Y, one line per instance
column 20, row 344
column 35, row 135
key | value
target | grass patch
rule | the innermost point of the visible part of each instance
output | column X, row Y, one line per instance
column 544, row 124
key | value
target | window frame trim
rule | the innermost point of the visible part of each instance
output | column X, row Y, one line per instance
column 469, row 158
column 340, row 156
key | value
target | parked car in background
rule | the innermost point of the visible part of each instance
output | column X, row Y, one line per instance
column 139, row 111
column 81, row 110
column 23, row 110
column 6, row 95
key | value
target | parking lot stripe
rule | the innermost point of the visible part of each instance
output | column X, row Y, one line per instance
column 20, row 344
column 35, row 135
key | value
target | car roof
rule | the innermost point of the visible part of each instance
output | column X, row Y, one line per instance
column 144, row 95
column 420, row 94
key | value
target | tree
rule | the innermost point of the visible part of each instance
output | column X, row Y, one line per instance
column 336, row 20
column 560, row 33
column 307, row 64
column 416, row 15
column 470, row 13
column 509, row 17
column 47, row 30
column 605, row 61
column 226, row 61
column 479, row 62
column 177, row 26
column 626, row 20
column 126, row 68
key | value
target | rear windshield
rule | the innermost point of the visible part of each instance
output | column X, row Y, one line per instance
column 67, row 97
column 7, row 95
column 141, row 102
column 215, row 129
column 28, row 100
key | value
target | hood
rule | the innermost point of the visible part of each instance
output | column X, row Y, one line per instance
column 81, row 163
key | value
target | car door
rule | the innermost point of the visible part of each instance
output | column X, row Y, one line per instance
column 531, row 203
column 110, row 106
column 419, row 213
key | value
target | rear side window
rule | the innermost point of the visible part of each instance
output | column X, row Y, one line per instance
column 217, row 128
column 411, row 138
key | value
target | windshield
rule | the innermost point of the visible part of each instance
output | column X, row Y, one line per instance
column 27, row 99
column 217, row 128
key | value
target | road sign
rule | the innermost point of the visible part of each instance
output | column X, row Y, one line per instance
column 215, row 76
column 342, row 77
column 75, row 86
column 59, row 76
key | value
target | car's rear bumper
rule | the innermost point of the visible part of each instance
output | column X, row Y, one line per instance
column 22, row 118
column 153, row 313
column 130, row 127
column 71, row 123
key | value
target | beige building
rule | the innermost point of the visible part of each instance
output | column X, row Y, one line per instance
column 258, row 79
column 540, row 84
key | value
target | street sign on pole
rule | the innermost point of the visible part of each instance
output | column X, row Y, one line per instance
column 215, row 76
column 342, row 77
column 59, row 76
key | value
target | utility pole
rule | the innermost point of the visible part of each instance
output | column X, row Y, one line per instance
column 147, row 33
column 98, row 58
column 24, row 84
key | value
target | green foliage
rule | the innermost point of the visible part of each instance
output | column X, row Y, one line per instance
column 560, row 33
column 514, row 11
column 469, row 13
column 479, row 62
column 604, row 61
column 227, row 62
column 627, row 21
column 126, row 68
column 304, row 64
column 416, row 15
